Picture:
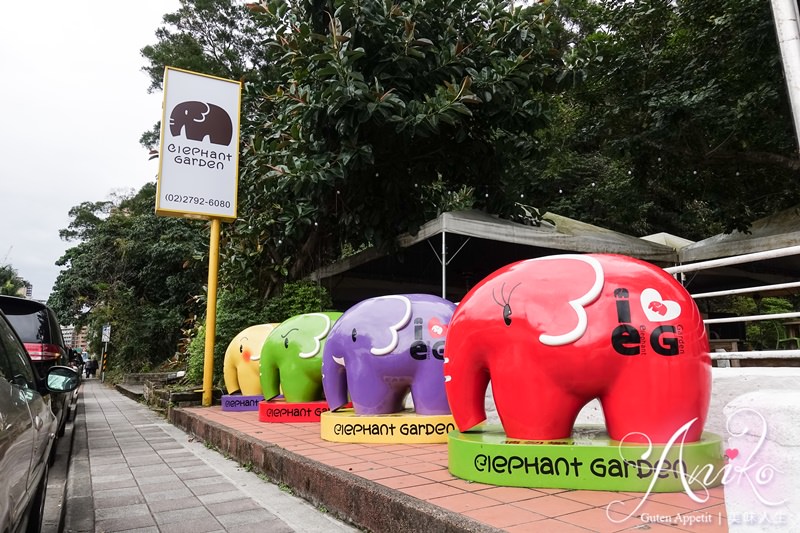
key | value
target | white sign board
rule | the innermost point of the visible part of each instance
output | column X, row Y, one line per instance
column 199, row 156
column 106, row 334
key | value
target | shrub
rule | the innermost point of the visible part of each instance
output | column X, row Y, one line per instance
column 297, row 298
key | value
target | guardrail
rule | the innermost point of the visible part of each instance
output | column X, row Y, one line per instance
column 723, row 356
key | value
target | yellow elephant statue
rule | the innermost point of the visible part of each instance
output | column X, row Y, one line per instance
column 242, row 360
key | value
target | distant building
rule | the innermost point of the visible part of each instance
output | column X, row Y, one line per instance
column 77, row 339
column 68, row 332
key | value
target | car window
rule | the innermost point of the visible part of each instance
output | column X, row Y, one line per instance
column 29, row 324
column 14, row 363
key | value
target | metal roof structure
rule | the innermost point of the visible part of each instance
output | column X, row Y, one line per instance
column 454, row 251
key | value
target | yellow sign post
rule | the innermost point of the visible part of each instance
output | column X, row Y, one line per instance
column 211, row 312
column 198, row 169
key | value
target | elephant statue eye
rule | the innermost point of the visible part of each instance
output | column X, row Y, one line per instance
column 505, row 302
column 285, row 337
column 354, row 335
column 507, row 314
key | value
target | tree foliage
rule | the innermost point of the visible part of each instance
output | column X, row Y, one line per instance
column 760, row 334
column 682, row 111
column 10, row 282
column 139, row 273
column 361, row 119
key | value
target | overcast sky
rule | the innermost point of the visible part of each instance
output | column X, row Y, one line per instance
column 75, row 103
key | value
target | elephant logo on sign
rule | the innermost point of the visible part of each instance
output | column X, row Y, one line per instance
column 198, row 120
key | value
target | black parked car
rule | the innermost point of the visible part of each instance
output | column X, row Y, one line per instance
column 37, row 326
column 27, row 432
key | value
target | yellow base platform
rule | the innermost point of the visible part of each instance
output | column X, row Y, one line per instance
column 406, row 427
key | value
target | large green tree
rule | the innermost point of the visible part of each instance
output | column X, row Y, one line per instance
column 680, row 121
column 139, row 273
column 362, row 120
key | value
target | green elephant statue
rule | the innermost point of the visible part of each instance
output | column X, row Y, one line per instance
column 291, row 358
column 241, row 365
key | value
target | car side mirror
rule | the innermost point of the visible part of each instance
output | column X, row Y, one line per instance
column 62, row 379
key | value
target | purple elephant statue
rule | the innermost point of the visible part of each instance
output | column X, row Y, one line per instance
column 381, row 348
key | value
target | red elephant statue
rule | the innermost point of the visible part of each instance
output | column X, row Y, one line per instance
column 555, row 332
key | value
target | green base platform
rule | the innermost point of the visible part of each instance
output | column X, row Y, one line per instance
column 589, row 460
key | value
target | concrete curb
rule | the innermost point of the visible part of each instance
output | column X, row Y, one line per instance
column 351, row 498
column 58, row 477
column 78, row 515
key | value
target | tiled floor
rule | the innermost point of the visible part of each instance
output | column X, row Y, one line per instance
column 420, row 470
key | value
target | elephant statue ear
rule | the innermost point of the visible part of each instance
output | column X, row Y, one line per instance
column 318, row 325
column 566, row 284
column 382, row 319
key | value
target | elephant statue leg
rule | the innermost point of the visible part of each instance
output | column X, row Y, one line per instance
column 634, row 408
column 552, row 411
column 270, row 383
column 231, row 376
column 378, row 397
column 300, row 389
column 429, row 395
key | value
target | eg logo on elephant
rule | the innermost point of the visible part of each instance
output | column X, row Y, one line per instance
column 198, row 120
column 556, row 332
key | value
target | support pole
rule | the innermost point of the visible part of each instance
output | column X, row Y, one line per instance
column 104, row 362
column 787, row 28
column 444, row 264
column 211, row 312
